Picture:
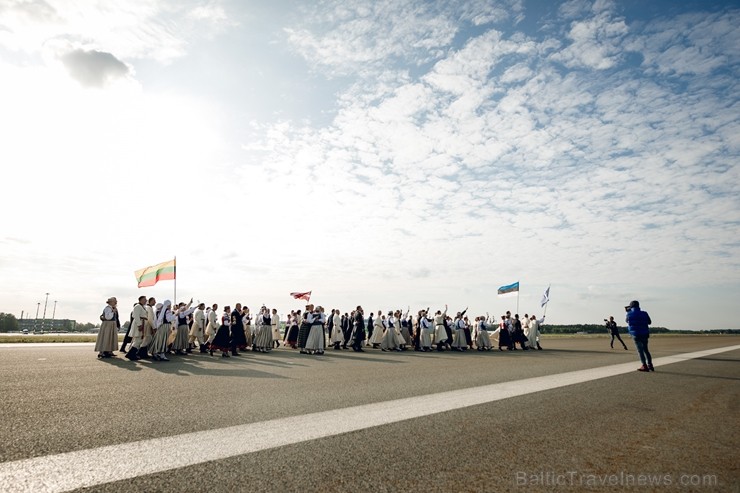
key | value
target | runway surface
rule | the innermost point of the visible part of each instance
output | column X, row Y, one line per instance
column 576, row 416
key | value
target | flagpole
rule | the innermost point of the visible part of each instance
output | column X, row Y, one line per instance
column 548, row 301
column 519, row 287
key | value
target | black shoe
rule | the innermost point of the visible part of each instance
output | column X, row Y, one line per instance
column 132, row 354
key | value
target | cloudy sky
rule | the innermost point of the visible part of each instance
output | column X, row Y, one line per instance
column 389, row 153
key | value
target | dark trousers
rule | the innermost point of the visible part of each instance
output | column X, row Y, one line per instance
column 641, row 343
column 616, row 335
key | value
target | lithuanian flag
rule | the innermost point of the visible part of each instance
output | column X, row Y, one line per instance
column 149, row 276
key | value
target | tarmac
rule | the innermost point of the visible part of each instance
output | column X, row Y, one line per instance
column 675, row 429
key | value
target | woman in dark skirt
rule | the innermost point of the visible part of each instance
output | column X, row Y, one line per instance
column 504, row 340
column 291, row 334
column 222, row 341
column 238, row 337
column 304, row 329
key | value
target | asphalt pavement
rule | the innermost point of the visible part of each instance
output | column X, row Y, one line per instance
column 672, row 430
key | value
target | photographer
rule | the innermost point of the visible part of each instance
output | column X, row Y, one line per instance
column 611, row 327
column 637, row 324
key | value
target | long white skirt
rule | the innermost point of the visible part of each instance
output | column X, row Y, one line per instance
column 377, row 337
column 315, row 341
column 483, row 340
column 159, row 342
column 337, row 335
column 275, row 332
column 389, row 339
column 425, row 338
column 532, row 337
column 440, row 334
column 459, row 340
column 399, row 338
column 107, row 340
column 263, row 339
column 181, row 338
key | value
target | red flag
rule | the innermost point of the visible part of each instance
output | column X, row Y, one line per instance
column 302, row 296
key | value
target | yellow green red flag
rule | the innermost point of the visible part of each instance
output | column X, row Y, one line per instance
column 149, row 276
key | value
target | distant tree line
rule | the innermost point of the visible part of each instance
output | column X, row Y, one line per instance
column 8, row 322
column 601, row 329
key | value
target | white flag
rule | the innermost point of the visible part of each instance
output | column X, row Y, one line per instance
column 545, row 297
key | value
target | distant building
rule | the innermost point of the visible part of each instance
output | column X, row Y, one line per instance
column 47, row 325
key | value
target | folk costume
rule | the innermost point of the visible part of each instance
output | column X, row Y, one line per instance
column 180, row 344
column 138, row 323
column 163, row 325
column 197, row 330
column 425, row 333
column 222, row 340
column 378, row 332
column 238, row 337
column 315, row 340
column 211, row 326
column 107, row 340
column 482, row 339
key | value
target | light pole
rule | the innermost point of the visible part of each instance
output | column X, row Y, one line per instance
column 53, row 313
column 36, row 321
column 43, row 320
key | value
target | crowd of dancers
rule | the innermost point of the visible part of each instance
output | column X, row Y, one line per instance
column 156, row 330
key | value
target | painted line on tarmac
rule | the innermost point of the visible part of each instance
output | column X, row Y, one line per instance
column 84, row 468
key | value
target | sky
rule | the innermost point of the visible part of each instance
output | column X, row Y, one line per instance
column 398, row 154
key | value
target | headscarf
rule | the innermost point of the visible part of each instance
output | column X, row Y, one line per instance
column 160, row 318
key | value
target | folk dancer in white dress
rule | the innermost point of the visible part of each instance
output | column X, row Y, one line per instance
column 459, row 342
column 163, row 325
column 390, row 339
column 263, row 337
column 482, row 339
column 180, row 344
column 337, row 336
column 378, row 327
column 315, row 340
column 198, row 329
column 400, row 338
column 425, row 332
column 440, row 334
column 138, row 325
column 275, row 321
column 148, row 329
column 107, row 340
column 212, row 324
column 534, row 329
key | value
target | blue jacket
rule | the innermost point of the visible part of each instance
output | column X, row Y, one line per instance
column 637, row 322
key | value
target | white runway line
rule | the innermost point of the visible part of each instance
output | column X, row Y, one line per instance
column 68, row 471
